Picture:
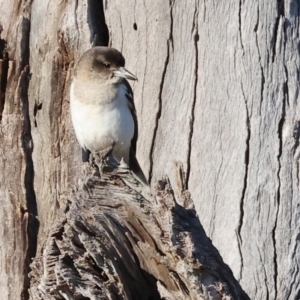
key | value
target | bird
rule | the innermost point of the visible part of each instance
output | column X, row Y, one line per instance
column 102, row 107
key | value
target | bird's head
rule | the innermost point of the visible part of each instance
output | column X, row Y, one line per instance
column 103, row 63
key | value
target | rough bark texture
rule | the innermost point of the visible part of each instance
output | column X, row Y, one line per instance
column 218, row 92
column 110, row 242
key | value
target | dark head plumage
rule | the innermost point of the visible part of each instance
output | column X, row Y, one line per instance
column 105, row 61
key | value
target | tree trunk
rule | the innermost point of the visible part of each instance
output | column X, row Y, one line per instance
column 217, row 92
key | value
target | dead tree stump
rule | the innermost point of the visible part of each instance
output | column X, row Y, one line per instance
column 112, row 239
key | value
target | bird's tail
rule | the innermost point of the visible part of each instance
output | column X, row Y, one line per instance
column 136, row 169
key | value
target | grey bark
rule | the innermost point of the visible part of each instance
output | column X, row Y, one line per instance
column 218, row 92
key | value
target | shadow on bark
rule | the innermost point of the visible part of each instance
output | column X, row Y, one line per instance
column 30, row 223
column 97, row 24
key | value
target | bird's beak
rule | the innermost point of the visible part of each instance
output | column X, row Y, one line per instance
column 122, row 72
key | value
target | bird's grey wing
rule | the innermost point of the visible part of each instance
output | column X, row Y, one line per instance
column 129, row 96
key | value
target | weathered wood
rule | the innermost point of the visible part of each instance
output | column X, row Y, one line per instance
column 110, row 242
column 18, row 235
column 224, row 80
column 218, row 93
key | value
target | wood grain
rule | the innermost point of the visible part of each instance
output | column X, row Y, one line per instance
column 110, row 241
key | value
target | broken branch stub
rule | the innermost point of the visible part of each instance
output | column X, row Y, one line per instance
column 113, row 240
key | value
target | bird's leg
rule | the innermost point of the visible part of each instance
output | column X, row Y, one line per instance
column 107, row 151
column 106, row 155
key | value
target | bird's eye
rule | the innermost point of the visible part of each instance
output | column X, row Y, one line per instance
column 107, row 65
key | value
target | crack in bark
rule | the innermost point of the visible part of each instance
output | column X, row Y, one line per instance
column 241, row 254
column 97, row 23
column 263, row 81
column 278, row 195
column 286, row 87
column 280, row 13
column 171, row 2
column 280, row 150
column 257, row 21
column 279, row 132
column 274, row 40
column 240, row 24
column 192, row 118
column 247, row 155
column 30, row 222
column 3, row 73
column 158, row 114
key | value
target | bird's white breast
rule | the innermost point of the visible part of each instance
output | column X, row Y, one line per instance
column 101, row 124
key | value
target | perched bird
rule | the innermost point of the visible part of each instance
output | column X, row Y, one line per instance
column 102, row 107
